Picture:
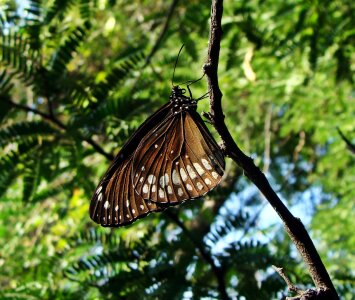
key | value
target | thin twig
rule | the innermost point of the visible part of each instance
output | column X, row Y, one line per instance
column 293, row 226
column 157, row 43
column 290, row 285
column 162, row 33
column 350, row 145
column 267, row 131
column 57, row 122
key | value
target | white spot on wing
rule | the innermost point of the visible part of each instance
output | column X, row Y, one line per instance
column 141, row 179
column 176, row 178
column 151, row 179
column 199, row 169
column 106, row 205
column 170, row 190
column 208, row 181
column 183, row 174
column 127, row 203
column 206, row 164
column 191, row 172
column 199, row 186
column 116, row 208
column 180, row 192
column 141, row 206
column 143, row 168
column 99, row 189
column 161, row 193
column 100, row 197
column 145, row 189
column 154, row 188
column 162, row 181
column 189, row 187
column 214, row 175
column 133, row 211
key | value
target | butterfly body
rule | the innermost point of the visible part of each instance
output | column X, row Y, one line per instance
column 171, row 158
column 180, row 103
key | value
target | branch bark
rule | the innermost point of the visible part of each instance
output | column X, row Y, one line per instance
column 293, row 226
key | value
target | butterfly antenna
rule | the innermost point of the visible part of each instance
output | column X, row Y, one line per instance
column 176, row 61
column 203, row 96
column 190, row 82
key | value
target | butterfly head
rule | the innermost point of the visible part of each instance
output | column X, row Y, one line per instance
column 180, row 102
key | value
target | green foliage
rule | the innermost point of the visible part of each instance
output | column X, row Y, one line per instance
column 76, row 79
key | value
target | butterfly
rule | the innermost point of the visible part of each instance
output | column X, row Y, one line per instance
column 170, row 158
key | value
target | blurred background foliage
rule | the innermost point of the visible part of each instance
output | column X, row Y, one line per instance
column 77, row 77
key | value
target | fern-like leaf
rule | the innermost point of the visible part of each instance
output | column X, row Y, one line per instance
column 16, row 53
column 34, row 10
column 65, row 52
column 231, row 223
column 31, row 176
column 116, row 75
column 5, row 83
column 9, row 161
column 20, row 130
column 58, row 9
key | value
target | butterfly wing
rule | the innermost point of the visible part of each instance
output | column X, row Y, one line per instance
column 179, row 160
column 115, row 202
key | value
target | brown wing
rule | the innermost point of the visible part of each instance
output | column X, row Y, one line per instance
column 115, row 202
column 178, row 161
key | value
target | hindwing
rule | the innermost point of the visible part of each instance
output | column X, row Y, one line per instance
column 177, row 161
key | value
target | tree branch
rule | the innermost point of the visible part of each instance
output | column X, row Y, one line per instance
column 293, row 226
column 51, row 118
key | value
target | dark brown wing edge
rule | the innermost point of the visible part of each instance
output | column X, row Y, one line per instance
column 123, row 157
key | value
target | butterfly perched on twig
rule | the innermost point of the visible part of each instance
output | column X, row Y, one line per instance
column 172, row 157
